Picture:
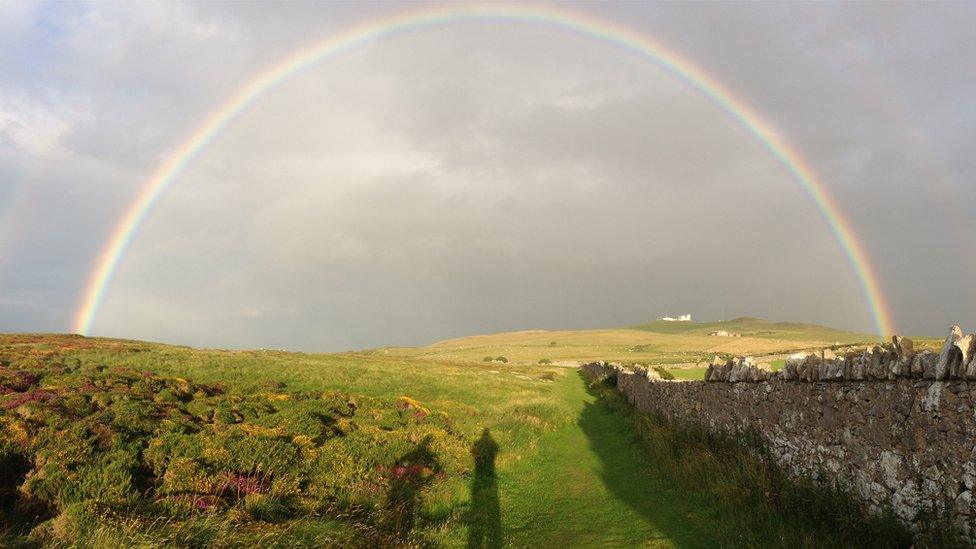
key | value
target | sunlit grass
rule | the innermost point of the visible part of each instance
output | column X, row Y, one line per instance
column 253, row 414
column 516, row 451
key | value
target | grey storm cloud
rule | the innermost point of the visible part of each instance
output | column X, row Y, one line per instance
column 481, row 176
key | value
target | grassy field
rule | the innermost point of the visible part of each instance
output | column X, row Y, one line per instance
column 111, row 443
column 213, row 439
column 688, row 374
column 671, row 344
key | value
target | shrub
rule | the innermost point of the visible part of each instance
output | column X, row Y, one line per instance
column 266, row 508
column 75, row 522
column 226, row 416
column 104, row 456
column 13, row 467
column 545, row 361
column 663, row 372
column 502, row 359
column 488, row 359
column 15, row 400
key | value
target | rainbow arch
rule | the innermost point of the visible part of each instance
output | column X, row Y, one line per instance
column 585, row 25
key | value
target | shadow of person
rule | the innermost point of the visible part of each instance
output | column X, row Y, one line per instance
column 484, row 519
column 413, row 471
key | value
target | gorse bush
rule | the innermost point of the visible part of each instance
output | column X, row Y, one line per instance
column 83, row 447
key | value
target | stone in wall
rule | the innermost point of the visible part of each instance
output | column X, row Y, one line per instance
column 966, row 349
column 904, row 356
column 739, row 369
column 928, row 360
column 717, row 370
column 649, row 373
column 971, row 369
column 949, row 356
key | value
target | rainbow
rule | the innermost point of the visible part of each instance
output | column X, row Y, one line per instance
column 559, row 18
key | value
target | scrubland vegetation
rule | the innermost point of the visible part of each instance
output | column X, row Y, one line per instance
column 105, row 441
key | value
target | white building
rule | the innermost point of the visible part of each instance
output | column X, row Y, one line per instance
column 682, row 318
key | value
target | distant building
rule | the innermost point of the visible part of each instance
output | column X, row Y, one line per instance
column 682, row 318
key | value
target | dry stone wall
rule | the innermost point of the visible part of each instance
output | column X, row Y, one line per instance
column 895, row 426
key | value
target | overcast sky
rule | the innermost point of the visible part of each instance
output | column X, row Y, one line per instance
column 482, row 176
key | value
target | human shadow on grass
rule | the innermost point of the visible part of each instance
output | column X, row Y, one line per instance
column 629, row 474
column 484, row 518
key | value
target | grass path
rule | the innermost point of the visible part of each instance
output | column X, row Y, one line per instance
column 592, row 485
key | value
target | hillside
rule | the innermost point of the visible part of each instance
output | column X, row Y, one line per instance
column 666, row 343
column 110, row 443
column 760, row 328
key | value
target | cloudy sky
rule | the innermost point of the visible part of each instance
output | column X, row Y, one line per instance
column 482, row 176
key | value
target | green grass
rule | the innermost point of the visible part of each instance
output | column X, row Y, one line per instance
column 588, row 486
column 697, row 374
column 519, row 432
column 690, row 374
column 109, row 443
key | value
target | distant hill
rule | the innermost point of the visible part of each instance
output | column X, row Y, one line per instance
column 653, row 343
column 757, row 327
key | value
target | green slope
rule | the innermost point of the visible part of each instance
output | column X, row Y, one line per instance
column 520, row 455
column 757, row 327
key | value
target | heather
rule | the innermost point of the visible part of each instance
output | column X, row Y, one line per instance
column 86, row 447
